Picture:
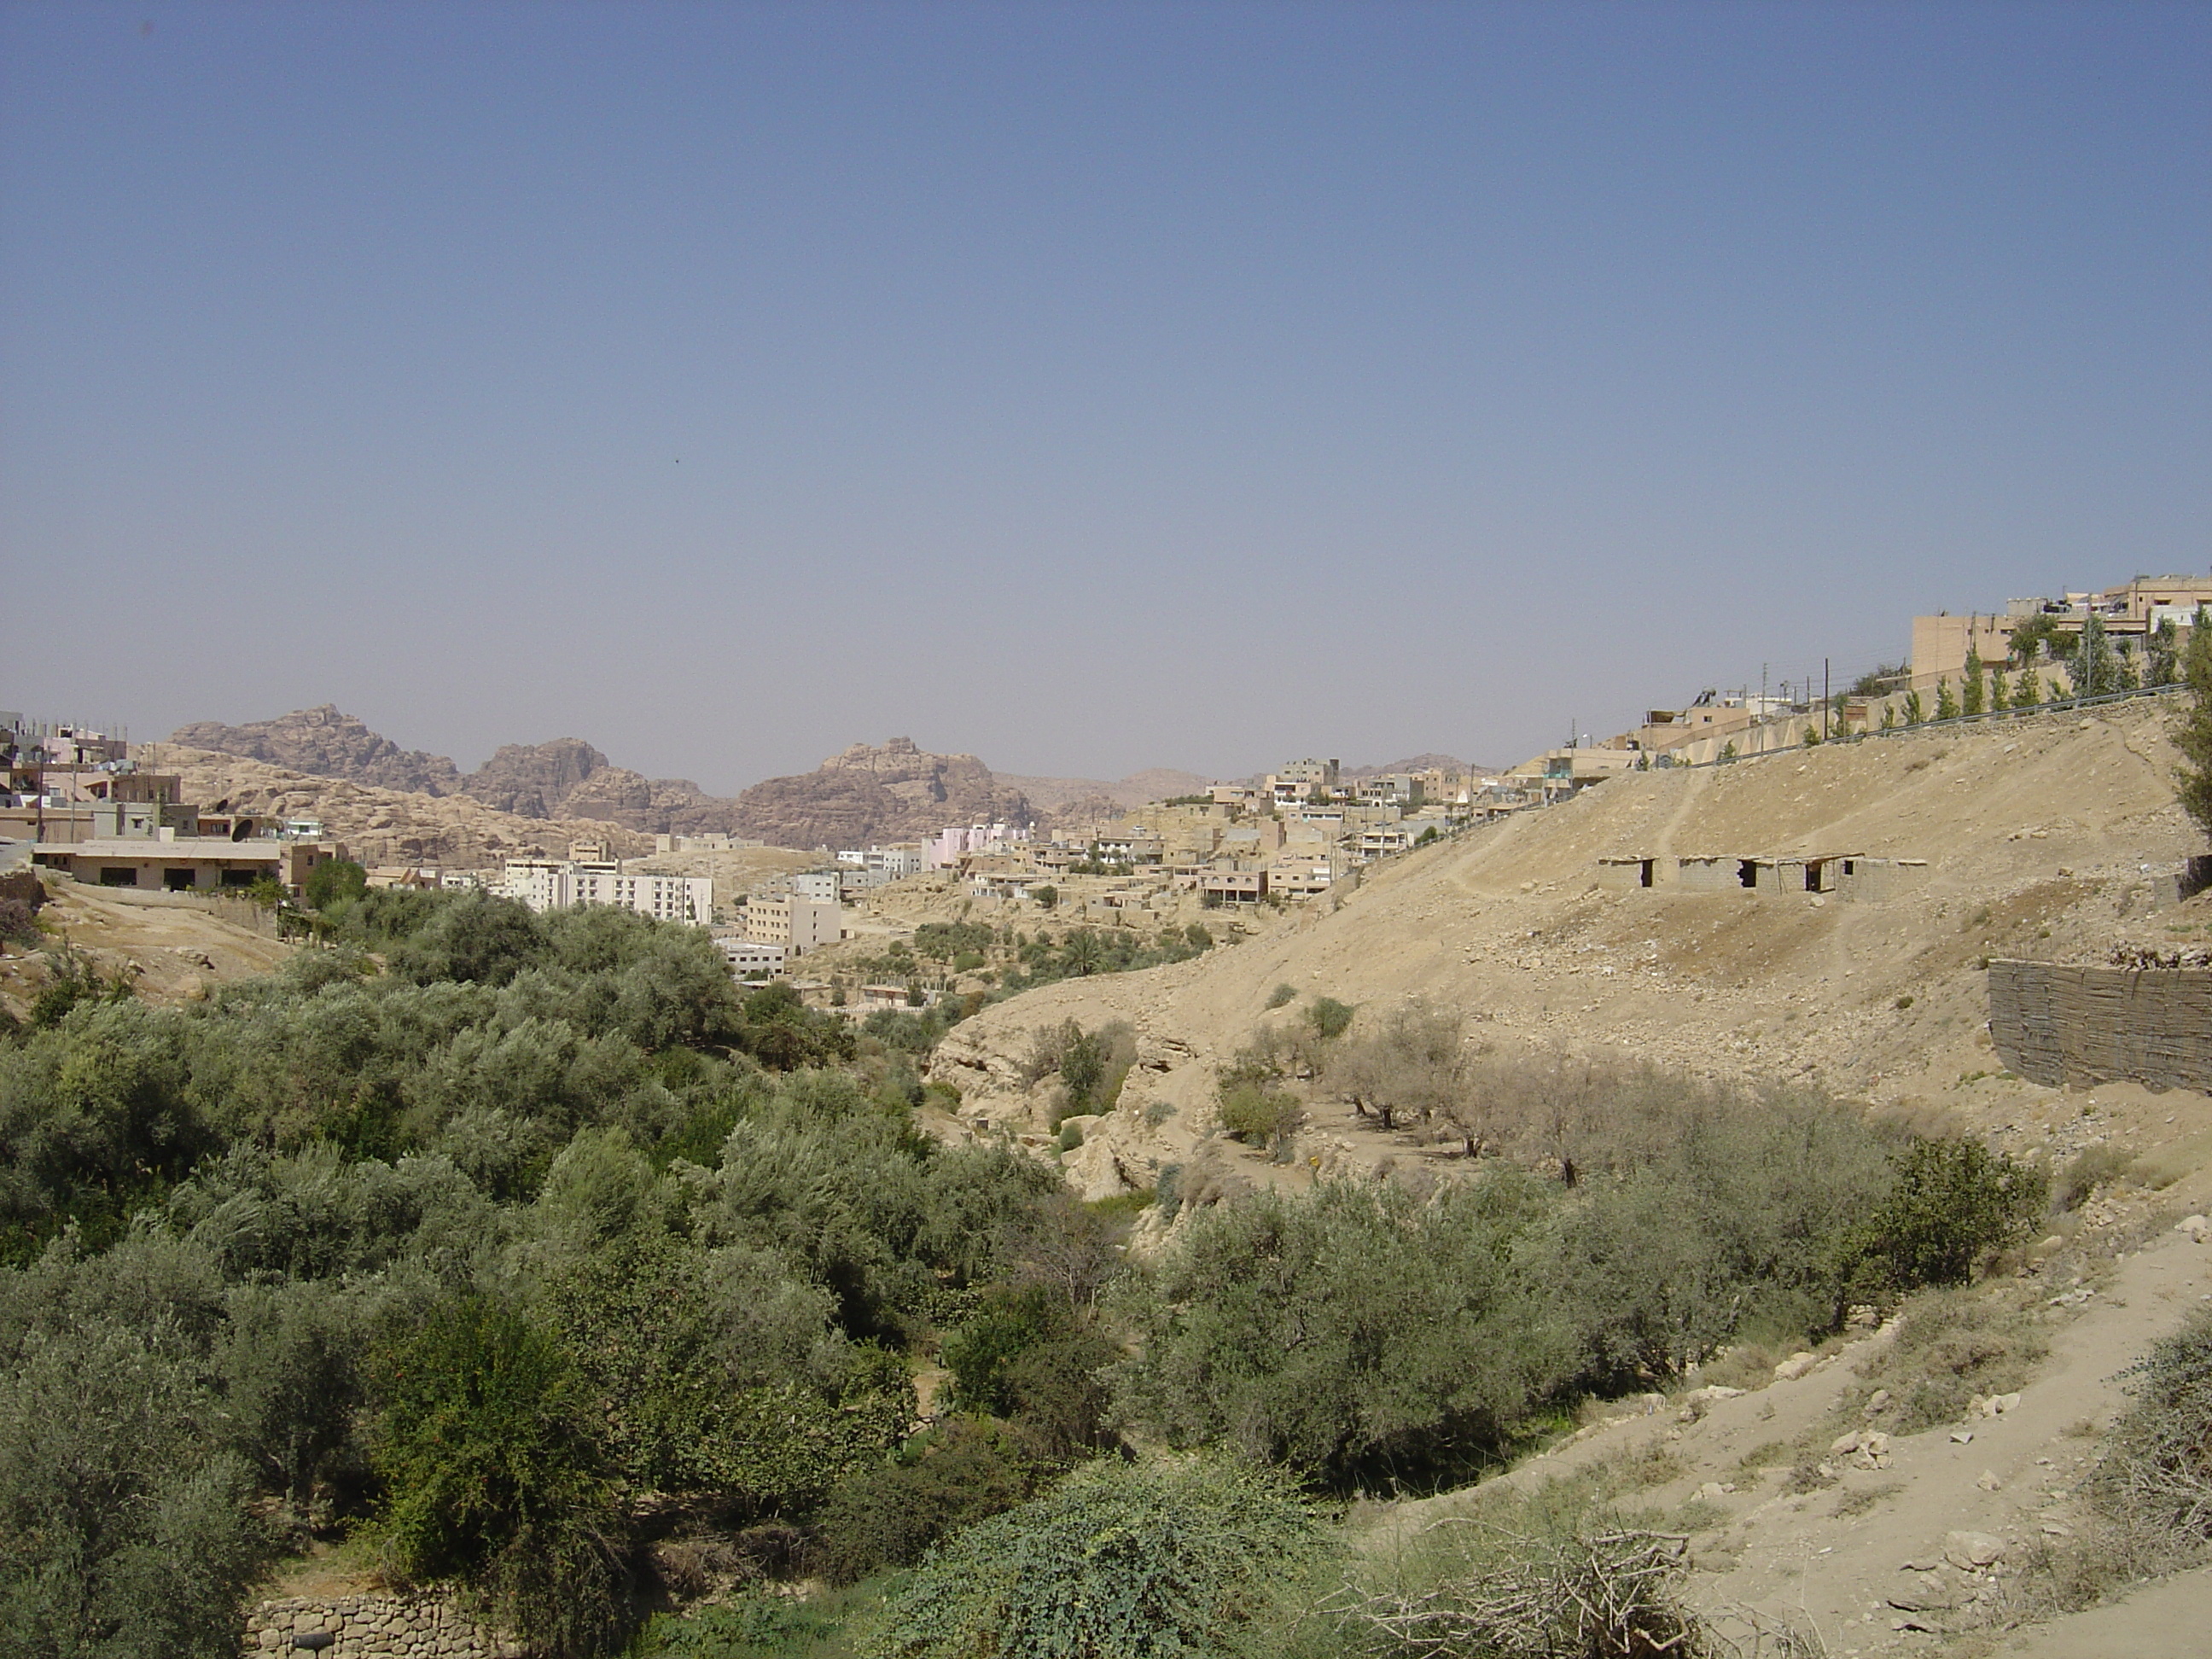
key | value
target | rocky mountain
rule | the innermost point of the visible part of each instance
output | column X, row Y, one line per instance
column 893, row 791
column 326, row 743
column 1053, row 796
column 386, row 826
column 565, row 778
column 1412, row 764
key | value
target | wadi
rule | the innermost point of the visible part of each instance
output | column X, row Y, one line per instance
column 1745, row 1207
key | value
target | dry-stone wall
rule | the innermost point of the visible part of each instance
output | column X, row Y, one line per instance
column 2055, row 1023
column 370, row 1628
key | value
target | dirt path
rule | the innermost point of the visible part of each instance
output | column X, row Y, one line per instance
column 2171, row 1620
column 1832, row 1562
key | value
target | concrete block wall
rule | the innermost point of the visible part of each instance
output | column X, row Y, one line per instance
column 370, row 1628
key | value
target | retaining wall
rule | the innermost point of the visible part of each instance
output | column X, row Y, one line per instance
column 2053, row 1024
column 370, row 1628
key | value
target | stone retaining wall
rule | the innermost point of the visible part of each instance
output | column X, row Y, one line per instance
column 2054, row 1025
column 370, row 1628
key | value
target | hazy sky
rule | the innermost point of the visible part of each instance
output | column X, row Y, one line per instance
column 1087, row 386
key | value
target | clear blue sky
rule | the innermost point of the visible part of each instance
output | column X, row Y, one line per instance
column 1087, row 386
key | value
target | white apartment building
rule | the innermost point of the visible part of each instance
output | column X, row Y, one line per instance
column 751, row 958
column 562, row 883
column 800, row 925
column 821, row 886
column 889, row 863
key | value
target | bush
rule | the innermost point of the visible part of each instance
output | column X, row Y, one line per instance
column 491, row 1475
column 1948, row 1348
column 333, row 882
column 1954, row 1202
column 1259, row 1115
column 1562, row 1569
column 2086, row 1171
column 1282, row 996
column 1120, row 1561
column 2159, row 1464
column 19, row 923
column 123, row 1528
column 1329, row 1018
column 1356, row 1335
column 889, row 1514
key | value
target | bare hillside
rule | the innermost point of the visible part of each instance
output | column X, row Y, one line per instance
column 169, row 948
column 2042, row 836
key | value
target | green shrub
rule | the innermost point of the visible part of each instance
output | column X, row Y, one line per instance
column 1954, row 1202
column 1258, row 1115
column 491, row 1475
column 1282, row 995
column 1329, row 1018
column 1121, row 1561
column 761, row 1627
column 123, row 1521
column 1012, row 1321
column 1356, row 1335
column 334, row 881
column 889, row 1513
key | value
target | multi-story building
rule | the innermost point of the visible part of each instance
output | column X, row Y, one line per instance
column 752, row 958
column 955, row 841
column 1222, row 886
column 1308, row 776
column 562, row 883
column 893, row 863
column 800, row 925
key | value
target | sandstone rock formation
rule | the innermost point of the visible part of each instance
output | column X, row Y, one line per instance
column 326, row 743
column 386, row 826
column 565, row 778
column 889, row 792
column 871, row 792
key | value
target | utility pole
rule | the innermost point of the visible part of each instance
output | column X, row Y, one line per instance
column 1827, row 700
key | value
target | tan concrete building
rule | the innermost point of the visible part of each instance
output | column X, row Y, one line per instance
column 2131, row 613
column 800, row 925
column 185, row 864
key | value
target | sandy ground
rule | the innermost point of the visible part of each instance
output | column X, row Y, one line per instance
column 170, row 953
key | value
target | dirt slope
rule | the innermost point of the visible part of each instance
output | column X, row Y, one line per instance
column 2043, row 837
column 1859, row 1565
column 170, row 951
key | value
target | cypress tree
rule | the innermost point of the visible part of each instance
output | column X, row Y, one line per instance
column 2094, row 672
column 2192, row 734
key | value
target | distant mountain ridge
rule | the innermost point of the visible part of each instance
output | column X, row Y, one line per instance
column 892, row 791
column 326, row 743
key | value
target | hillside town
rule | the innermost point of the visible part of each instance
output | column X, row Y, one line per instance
column 78, row 802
